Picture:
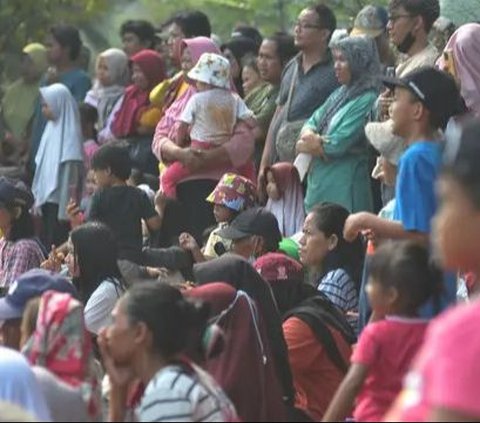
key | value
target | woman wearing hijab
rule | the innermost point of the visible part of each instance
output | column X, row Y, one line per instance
column 59, row 162
column 237, row 272
column 18, row 104
column 209, row 166
column 62, row 345
column 136, row 118
column 334, row 135
column 461, row 58
column 18, row 385
column 235, row 50
column 112, row 77
column 246, row 351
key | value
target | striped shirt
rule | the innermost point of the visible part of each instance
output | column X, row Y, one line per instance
column 178, row 395
column 340, row 289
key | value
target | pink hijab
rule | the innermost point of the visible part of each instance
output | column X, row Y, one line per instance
column 465, row 44
column 166, row 126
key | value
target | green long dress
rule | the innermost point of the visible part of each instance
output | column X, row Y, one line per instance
column 344, row 178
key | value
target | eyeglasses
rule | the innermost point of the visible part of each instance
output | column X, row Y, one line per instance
column 395, row 18
column 303, row 25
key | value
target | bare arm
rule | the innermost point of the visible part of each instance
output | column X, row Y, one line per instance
column 343, row 401
column 382, row 228
column 182, row 134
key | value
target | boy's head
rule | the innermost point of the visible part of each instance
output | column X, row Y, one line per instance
column 136, row 36
column 456, row 227
column 111, row 164
column 212, row 69
column 425, row 99
column 232, row 195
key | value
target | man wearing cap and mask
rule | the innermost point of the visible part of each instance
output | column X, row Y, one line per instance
column 27, row 287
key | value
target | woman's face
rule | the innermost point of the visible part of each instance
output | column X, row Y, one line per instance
column 102, row 72
column 5, row 219
column 268, row 63
column 121, row 336
column 250, row 78
column 187, row 61
column 234, row 65
column 314, row 245
column 139, row 78
column 27, row 69
column 46, row 111
column 342, row 68
column 456, row 227
column 272, row 188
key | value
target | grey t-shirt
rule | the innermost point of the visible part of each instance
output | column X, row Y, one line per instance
column 65, row 402
column 311, row 89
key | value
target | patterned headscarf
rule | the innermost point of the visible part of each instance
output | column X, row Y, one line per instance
column 362, row 56
column 234, row 192
column 62, row 345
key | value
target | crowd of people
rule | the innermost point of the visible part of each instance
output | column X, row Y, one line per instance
column 275, row 228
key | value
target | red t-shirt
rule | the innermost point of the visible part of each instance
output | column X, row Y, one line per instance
column 446, row 373
column 315, row 377
column 387, row 348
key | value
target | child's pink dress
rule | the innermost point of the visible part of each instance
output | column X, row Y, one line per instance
column 90, row 147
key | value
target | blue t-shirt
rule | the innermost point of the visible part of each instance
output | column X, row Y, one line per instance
column 415, row 192
column 416, row 204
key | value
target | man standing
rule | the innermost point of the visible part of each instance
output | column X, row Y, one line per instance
column 308, row 80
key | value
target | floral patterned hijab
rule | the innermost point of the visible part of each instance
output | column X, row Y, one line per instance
column 62, row 345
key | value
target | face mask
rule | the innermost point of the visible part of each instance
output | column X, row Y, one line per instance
column 406, row 44
column 252, row 257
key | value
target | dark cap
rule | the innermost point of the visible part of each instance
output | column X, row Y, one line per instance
column 256, row 221
column 30, row 285
column 436, row 89
column 15, row 194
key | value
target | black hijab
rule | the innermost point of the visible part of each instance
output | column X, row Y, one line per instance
column 237, row 272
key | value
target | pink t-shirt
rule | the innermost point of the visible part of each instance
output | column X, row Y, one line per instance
column 387, row 348
column 446, row 373
column 90, row 147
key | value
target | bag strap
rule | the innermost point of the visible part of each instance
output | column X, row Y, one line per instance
column 292, row 87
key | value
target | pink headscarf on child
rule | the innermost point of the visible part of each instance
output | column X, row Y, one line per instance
column 465, row 44
column 289, row 209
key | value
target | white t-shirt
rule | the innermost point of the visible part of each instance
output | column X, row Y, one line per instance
column 213, row 114
column 100, row 305
column 177, row 395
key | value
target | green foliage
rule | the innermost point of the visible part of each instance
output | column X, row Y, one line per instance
column 23, row 21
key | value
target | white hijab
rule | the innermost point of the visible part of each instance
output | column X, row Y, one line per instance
column 19, row 386
column 61, row 142
column 105, row 98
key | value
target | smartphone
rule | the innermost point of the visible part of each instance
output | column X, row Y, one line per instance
column 390, row 72
column 449, row 63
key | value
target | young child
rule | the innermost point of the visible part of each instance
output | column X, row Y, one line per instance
column 402, row 278
column 88, row 120
column 59, row 163
column 443, row 382
column 232, row 195
column 424, row 102
column 121, row 207
column 211, row 115
column 250, row 74
column 285, row 197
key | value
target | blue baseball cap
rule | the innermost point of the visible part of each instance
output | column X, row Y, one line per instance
column 30, row 285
